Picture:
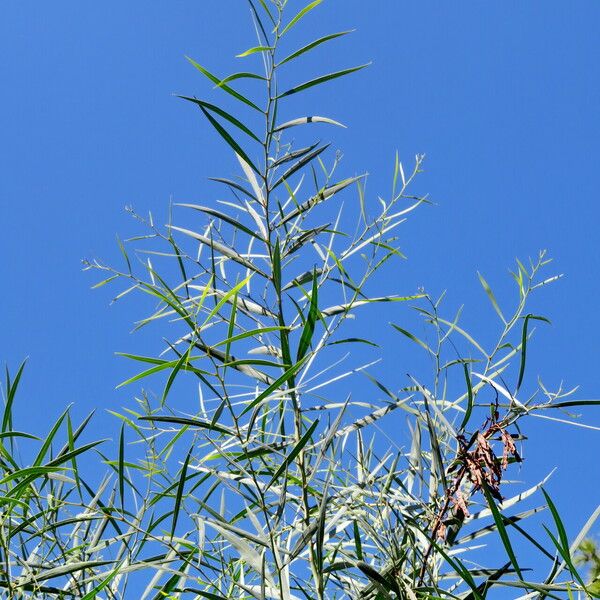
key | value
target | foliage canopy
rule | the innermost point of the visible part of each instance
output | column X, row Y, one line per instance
column 273, row 483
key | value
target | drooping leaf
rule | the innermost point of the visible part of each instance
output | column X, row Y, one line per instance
column 222, row 113
column 226, row 88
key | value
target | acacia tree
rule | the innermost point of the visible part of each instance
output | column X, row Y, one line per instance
column 273, row 482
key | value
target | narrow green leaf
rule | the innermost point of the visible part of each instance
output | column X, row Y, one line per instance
column 277, row 267
column 412, row 337
column 322, row 79
column 312, row 45
column 469, row 399
column 293, row 454
column 49, row 439
column 502, row 530
column 226, row 88
column 189, row 422
column 524, row 346
column 93, row 594
column 179, row 493
column 11, row 390
column 299, row 164
column 311, row 319
column 229, row 295
column 488, row 291
column 274, row 386
column 183, row 359
column 121, row 468
column 227, row 137
column 241, row 75
column 224, row 114
column 254, row 50
column 303, row 12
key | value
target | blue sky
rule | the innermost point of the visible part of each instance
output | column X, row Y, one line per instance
column 503, row 98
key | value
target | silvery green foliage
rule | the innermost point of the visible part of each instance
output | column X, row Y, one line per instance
column 255, row 472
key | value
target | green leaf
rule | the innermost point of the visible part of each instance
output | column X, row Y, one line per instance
column 412, row 337
column 11, row 390
column 224, row 114
column 498, row 519
column 251, row 333
column 254, row 50
column 227, row 137
column 469, row 399
column 229, row 295
column 488, row 291
column 299, row 164
column 274, row 386
column 241, row 75
column 322, row 79
column 179, row 493
column 322, row 195
column 29, row 472
column 309, row 325
column 93, row 594
column 276, row 261
column 183, row 360
column 312, row 45
column 121, row 468
column 161, row 365
column 226, row 88
column 189, row 422
column 292, row 455
column 524, row 346
column 303, row 12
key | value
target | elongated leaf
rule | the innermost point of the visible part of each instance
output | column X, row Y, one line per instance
column 254, row 50
column 183, row 359
column 227, row 137
column 298, row 165
column 340, row 308
column 293, row 454
column 412, row 337
column 258, row 193
column 187, row 421
column 289, row 156
column 322, row 79
column 222, row 113
column 324, row 194
column 235, row 186
column 179, row 493
column 121, row 468
column 303, row 12
column 275, row 385
column 470, row 399
column 11, row 390
column 502, row 530
column 312, row 45
column 224, row 250
column 488, row 291
column 216, row 81
column 306, row 120
column 241, row 75
column 93, row 594
column 311, row 319
column 524, row 347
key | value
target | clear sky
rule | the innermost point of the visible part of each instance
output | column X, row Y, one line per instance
column 503, row 97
